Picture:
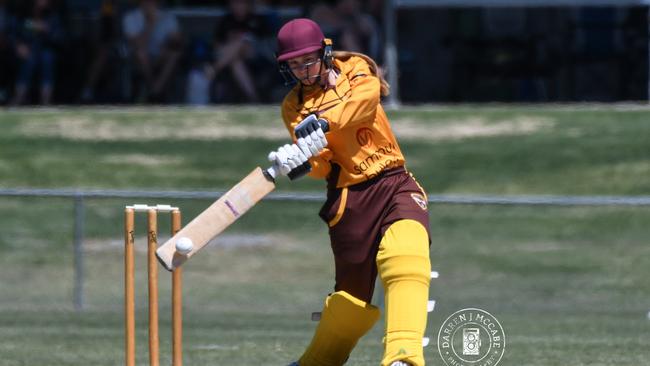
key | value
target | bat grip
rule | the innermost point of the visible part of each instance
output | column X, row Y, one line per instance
column 299, row 171
column 270, row 174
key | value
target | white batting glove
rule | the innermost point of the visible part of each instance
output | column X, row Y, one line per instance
column 287, row 158
column 312, row 144
column 310, row 135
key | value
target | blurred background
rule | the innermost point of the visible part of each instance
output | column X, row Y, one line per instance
column 215, row 52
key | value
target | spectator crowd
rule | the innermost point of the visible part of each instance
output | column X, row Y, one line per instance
column 141, row 51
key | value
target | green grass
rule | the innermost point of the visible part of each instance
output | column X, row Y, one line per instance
column 569, row 285
column 488, row 150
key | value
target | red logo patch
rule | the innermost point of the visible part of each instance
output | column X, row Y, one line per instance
column 364, row 136
column 420, row 200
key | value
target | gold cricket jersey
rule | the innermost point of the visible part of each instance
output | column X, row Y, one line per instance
column 360, row 140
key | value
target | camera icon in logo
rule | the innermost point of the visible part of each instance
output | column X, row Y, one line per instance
column 471, row 341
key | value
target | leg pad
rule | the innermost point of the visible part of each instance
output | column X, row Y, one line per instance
column 405, row 269
column 344, row 320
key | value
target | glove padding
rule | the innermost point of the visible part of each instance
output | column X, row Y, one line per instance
column 287, row 158
column 310, row 124
column 311, row 135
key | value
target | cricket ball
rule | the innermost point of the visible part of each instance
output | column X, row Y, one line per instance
column 184, row 245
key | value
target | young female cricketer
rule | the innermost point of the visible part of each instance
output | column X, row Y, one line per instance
column 375, row 210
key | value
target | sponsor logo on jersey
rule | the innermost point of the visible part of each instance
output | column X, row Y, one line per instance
column 364, row 136
column 376, row 162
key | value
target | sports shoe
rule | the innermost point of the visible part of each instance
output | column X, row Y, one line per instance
column 294, row 364
column 397, row 363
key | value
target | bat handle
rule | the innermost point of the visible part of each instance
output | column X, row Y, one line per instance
column 270, row 173
column 299, row 171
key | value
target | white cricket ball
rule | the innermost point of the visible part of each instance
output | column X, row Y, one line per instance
column 184, row 245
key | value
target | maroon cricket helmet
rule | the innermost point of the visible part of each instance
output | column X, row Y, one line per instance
column 299, row 37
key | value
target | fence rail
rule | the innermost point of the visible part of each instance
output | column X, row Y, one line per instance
column 518, row 200
column 80, row 195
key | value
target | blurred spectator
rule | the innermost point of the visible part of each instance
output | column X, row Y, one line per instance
column 349, row 27
column 198, row 81
column 7, row 24
column 375, row 8
column 104, row 44
column 39, row 33
column 155, row 42
column 239, row 47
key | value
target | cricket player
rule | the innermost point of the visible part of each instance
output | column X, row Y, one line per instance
column 376, row 211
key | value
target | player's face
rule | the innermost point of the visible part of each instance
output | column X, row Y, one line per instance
column 306, row 68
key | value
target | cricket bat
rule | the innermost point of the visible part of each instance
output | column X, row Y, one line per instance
column 224, row 211
column 217, row 217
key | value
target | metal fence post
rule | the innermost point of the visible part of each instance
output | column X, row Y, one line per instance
column 391, row 54
column 78, row 252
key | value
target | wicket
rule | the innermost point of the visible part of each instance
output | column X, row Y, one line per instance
column 152, row 268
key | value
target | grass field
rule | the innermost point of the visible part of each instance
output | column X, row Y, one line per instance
column 569, row 284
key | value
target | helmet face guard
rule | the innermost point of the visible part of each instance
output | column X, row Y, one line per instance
column 328, row 53
column 326, row 59
column 289, row 78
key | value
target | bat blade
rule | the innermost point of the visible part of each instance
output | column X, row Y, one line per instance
column 217, row 217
